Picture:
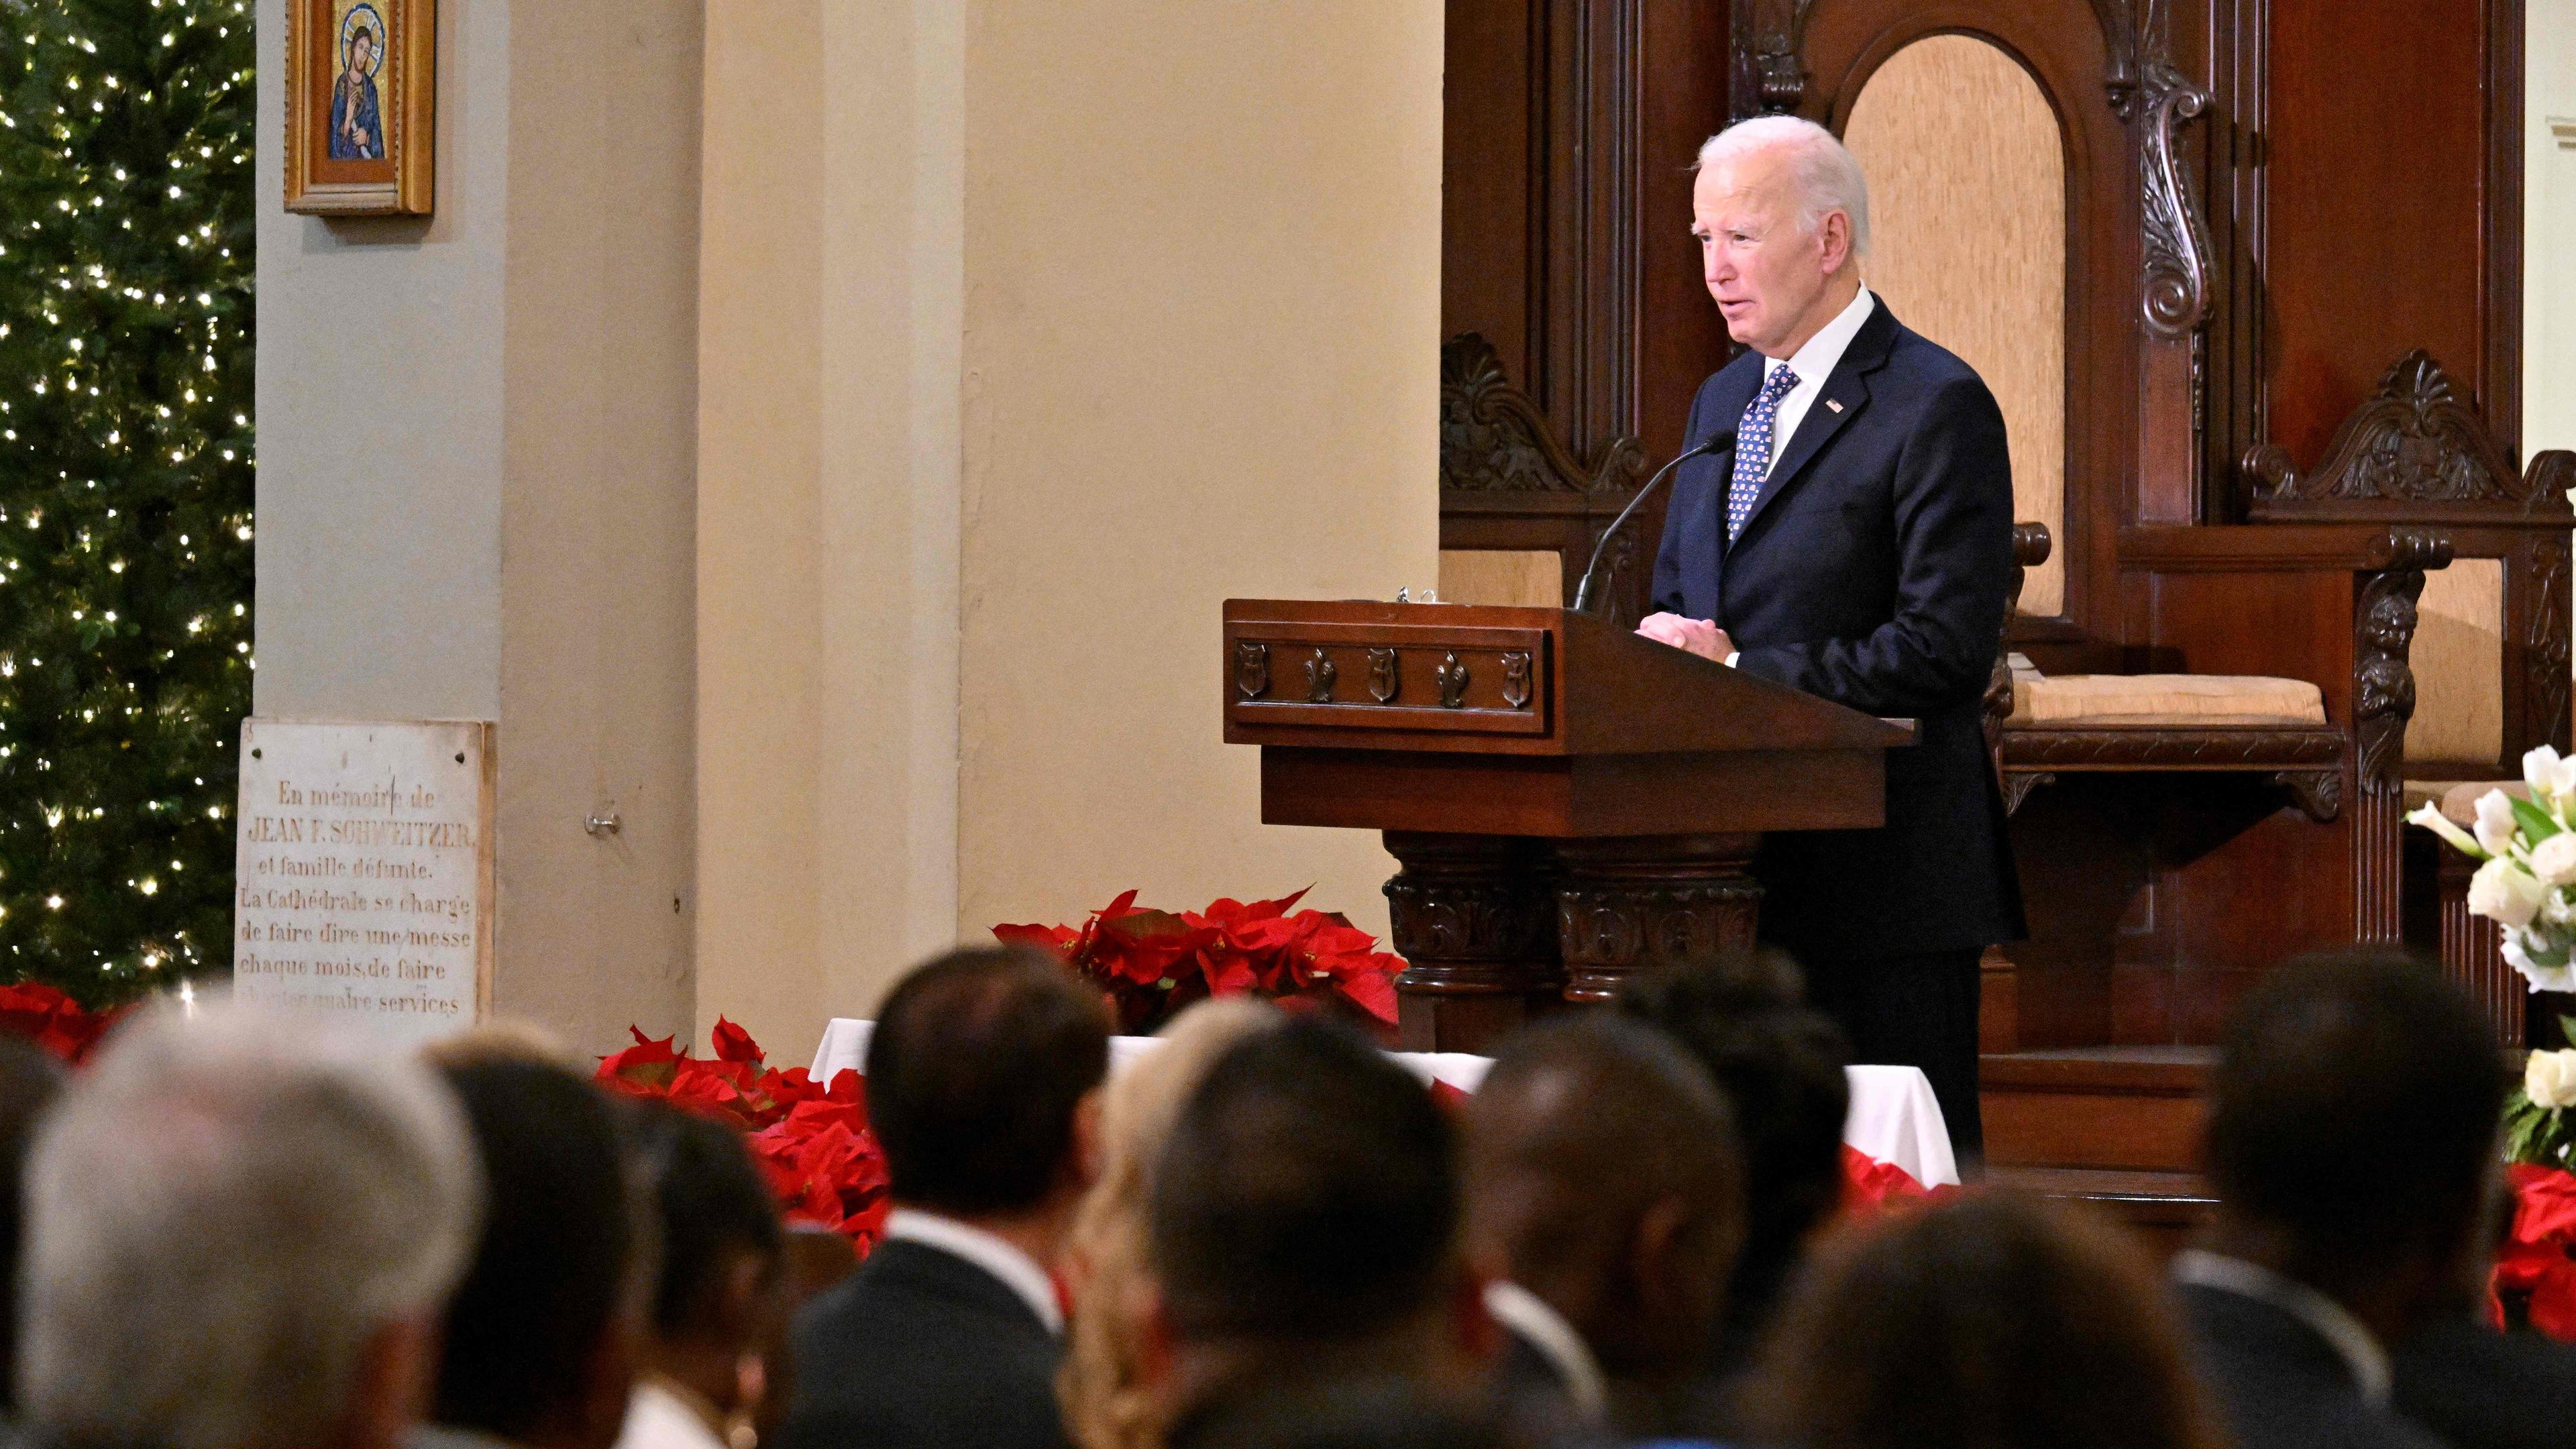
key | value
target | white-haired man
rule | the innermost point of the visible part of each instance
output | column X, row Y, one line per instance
column 241, row 1229
column 1856, row 543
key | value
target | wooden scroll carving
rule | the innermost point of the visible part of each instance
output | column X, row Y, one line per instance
column 1769, row 76
column 1494, row 439
column 2383, row 698
column 2175, row 243
column 2120, row 55
column 2414, row 441
column 2544, row 645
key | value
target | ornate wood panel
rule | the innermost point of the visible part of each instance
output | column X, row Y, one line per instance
column 1565, row 251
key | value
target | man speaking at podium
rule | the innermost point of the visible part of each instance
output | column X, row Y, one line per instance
column 1856, row 544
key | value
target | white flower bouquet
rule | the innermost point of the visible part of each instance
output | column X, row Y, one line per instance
column 2527, row 885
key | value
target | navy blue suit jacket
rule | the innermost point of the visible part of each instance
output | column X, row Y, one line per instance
column 1871, row 573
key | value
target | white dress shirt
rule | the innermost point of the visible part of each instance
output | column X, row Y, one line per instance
column 1533, row 1318
column 664, row 1415
column 1814, row 363
column 2334, row 1323
column 1017, row 1270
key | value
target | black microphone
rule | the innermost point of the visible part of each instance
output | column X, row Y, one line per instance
column 1714, row 443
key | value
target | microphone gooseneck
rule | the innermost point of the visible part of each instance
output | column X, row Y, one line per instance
column 1714, row 442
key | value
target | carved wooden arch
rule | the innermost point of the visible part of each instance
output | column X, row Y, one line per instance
column 1493, row 438
column 2067, row 47
column 2415, row 444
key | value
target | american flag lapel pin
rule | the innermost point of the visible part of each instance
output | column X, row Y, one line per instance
column 1833, row 406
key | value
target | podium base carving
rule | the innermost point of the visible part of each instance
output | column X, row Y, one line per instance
column 1499, row 929
column 1640, row 903
column 1474, row 917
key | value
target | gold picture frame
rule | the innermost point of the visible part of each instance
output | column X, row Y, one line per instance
column 361, row 106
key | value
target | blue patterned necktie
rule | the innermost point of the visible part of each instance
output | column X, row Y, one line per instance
column 1753, row 449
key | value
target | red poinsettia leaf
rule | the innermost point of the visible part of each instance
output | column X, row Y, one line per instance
column 1119, row 907
column 648, row 1063
column 1147, row 929
column 733, row 1044
column 54, row 1021
column 790, row 1087
column 1055, row 940
column 1370, row 991
column 2544, row 1204
column 1143, row 947
column 1231, row 976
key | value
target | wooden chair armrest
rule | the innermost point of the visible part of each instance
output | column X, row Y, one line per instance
column 2280, row 548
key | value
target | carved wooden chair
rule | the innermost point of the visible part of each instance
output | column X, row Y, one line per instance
column 2417, row 455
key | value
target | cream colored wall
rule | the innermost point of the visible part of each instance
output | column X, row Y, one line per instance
column 1030, row 333
column 2549, row 228
column 380, row 416
column 1201, row 360
column 476, row 474
column 827, row 526
column 1967, row 191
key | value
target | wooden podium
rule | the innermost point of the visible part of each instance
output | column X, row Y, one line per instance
column 1570, row 803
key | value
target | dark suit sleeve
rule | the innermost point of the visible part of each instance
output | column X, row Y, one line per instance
column 1665, row 595
column 1953, row 507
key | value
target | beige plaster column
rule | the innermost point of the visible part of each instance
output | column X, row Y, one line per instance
column 1030, row 332
column 2549, row 226
column 477, row 475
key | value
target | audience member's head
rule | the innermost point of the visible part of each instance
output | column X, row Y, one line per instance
column 1987, row 1323
column 1602, row 1176
column 240, row 1230
column 1358, row 1413
column 1305, row 1222
column 981, row 1077
column 718, row 1302
column 30, row 1080
column 543, row 1334
column 1781, row 1068
column 2352, row 1133
column 1106, row 1403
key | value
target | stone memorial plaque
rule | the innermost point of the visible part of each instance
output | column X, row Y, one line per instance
column 364, row 870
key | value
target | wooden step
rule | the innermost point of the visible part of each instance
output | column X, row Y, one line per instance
column 2163, row 1208
column 2116, row 1108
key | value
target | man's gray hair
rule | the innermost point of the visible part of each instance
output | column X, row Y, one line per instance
column 1825, row 174
column 221, row 1212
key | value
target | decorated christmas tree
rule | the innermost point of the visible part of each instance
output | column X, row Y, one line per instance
column 125, row 485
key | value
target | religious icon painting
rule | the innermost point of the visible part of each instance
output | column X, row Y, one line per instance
column 361, row 88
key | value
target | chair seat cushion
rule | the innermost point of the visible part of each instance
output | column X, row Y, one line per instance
column 2162, row 701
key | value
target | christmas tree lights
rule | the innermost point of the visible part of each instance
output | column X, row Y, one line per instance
column 125, row 485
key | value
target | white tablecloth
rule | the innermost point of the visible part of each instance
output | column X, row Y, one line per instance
column 1893, row 1119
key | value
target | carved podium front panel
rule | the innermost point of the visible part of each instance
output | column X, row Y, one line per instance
column 1570, row 803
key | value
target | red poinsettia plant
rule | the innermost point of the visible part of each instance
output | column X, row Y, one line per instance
column 54, row 1021
column 811, row 1139
column 2535, row 1270
column 1153, row 964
